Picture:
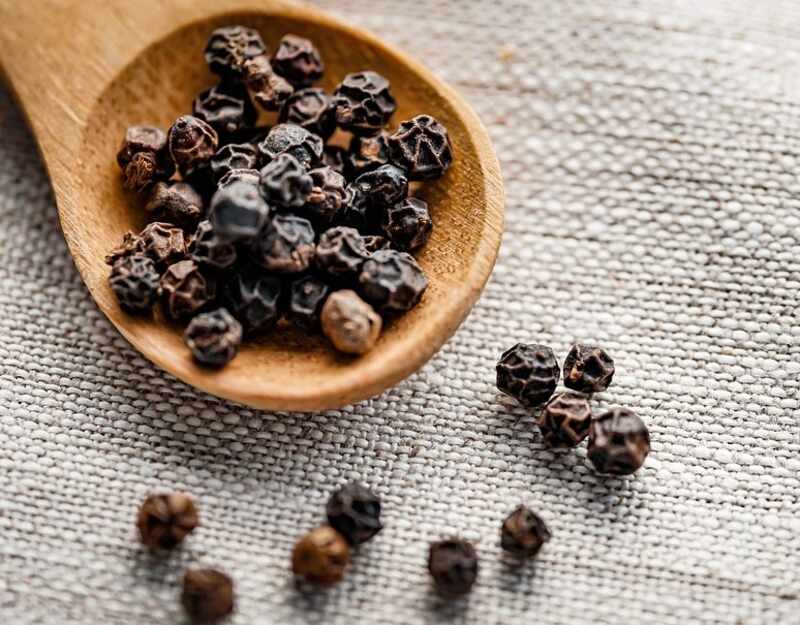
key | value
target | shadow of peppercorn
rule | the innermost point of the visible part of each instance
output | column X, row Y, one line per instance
column 514, row 573
column 444, row 610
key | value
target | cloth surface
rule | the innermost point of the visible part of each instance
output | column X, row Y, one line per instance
column 650, row 153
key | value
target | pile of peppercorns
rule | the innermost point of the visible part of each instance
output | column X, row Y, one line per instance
column 618, row 439
column 269, row 222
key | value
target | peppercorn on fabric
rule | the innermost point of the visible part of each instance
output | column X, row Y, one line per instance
column 650, row 153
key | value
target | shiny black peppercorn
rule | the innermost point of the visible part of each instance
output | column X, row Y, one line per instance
column 306, row 297
column 209, row 249
column 384, row 187
column 238, row 212
column 226, row 108
column 294, row 140
column 392, row 281
column 364, row 103
column 408, row 224
column 298, row 61
column 523, row 533
column 286, row 245
column 367, row 153
column 618, row 442
column 213, row 337
column 207, row 595
column 565, row 419
column 328, row 195
column 164, row 521
column 231, row 157
column 313, row 110
column 355, row 512
column 421, row 146
column 453, row 565
column 588, row 369
column 357, row 211
column 230, row 47
column 341, row 252
column 253, row 298
column 285, row 182
column 529, row 373
column 134, row 280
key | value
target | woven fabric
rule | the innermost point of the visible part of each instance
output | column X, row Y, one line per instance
column 650, row 151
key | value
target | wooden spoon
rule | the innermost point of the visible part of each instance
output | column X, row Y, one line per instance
column 83, row 71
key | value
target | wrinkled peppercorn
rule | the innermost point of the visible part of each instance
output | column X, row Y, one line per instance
column 392, row 281
column 238, row 212
column 131, row 244
column 298, row 61
column 285, row 182
column 321, row 556
column 523, row 533
column 618, row 442
column 421, row 146
column 134, row 280
column 213, row 337
column 209, row 249
column 191, row 143
column 588, row 369
column 225, row 107
column 231, row 157
column 357, row 212
column 250, row 176
column 163, row 243
column 286, row 245
column 313, row 110
column 408, row 224
column 565, row 419
column 144, row 157
column 341, row 252
column 364, row 103
column 295, row 140
column 207, row 595
column 165, row 520
column 230, row 47
column 306, row 297
column 254, row 299
column 334, row 157
column 453, row 565
column 383, row 187
column 367, row 153
column 266, row 87
column 375, row 242
column 350, row 323
column 355, row 512
column 176, row 202
column 529, row 373
column 327, row 196
column 185, row 289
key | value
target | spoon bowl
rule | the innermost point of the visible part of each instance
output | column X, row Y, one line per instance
column 83, row 72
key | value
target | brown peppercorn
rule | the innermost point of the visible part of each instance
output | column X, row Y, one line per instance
column 192, row 142
column 213, row 337
column 392, row 281
column 364, row 103
column 523, row 533
column 528, row 373
column 207, row 595
column 408, row 224
column 176, row 202
column 144, row 157
column 135, row 281
column 618, row 442
column 341, row 252
column 588, row 369
column 286, row 245
column 163, row 243
column 375, row 242
column 367, row 154
column 565, row 420
column 453, row 565
column 266, row 87
column 313, row 110
column 355, row 512
column 298, row 61
column 230, row 47
column 321, row 556
column 131, row 244
column 350, row 323
column 226, row 108
column 334, row 157
column 185, row 290
column 327, row 195
column 165, row 520
column 422, row 147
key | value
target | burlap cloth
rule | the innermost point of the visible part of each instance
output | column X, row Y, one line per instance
column 650, row 151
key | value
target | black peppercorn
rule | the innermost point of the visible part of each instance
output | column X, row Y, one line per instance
column 164, row 521
column 384, row 187
column 192, row 142
column 523, row 533
column 328, row 195
column 253, row 298
column 529, row 373
column 233, row 156
column 364, row 103
column 408, row 224
column 341, row 253
column 134, row 280
column 306, row 297
column 266, row 87
column 286, row 245
column 367, row 153
column 185, row 289
column 421, row 146
column 213, row 337
column 321, row 556
column 207, row 595
column 334, row 157
column 298, row 61
column 453, row 565
column 250, row 176
column 588, row 369
column 207, row 248
column 392, row 281
column 350, row 323
column 357, row 211
column 176, row 202
column 313, row 110
column 375, row 242
column 225, row 107
column 618, row 442
column 565, row 419
column 144, row 157
column 355, row 512
column 295, row 140
column 131, row 244
column 238, row 212
column 163, row 243
column 285, row 182
column 230, row 47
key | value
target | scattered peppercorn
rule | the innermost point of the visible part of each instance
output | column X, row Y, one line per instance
column 565, row 419
column 230, row 47
column 355, row 512
column 408, row 224
column 207, row 595
column 285, row 182
column 254, row 299
column 286, row 245
column 185, row 290
column 453, row 565
column 213, row 337
column 421, row 146
column 266, row 87
column 135, row 281
column 298, row 61
column 364, row 103
column 238, row 212
column 176, row 202
column 321, row 556
column 226, row 107
column 618, row 442
column 588, row 369
column 350, row 323
column 523, row 533
column 392, row 281
column 164, row 521
column 341, row 252
column 528, row 373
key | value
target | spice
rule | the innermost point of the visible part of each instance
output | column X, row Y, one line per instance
column 293, row 140
column 165, row 520
column 134, row 280
column 213, row 337
column 523, row 533
column 408, row 224
column 185, row 290
column 131, row 244
column 357, row 212
column 367, row 154
column 250, row 176
column 355, row 512
column 383, row 187
column 231, row 157
column 341, row 252
column 175, row 202
column 192, row 142
column 565, row 419
column 528, row 373
column 207, row 595
column 327, row 196
column 298, row 61
column 163, row 243
column 226, row 107
column 238, row 212
column 230, row 47
column 588, row 369
column 321, row 556
column 375, row 242
column 306, row 297
column 266, row 87
column 421, row 146
column 334, row 157
column 209, row 249
column 285, row 182
column 618, row 442
column 350, row 323
column 286, row 245
column 254, row 299
column 144, row 157
column 453, row 565
column 364, row 103
column 392, row 281
column 312, row 109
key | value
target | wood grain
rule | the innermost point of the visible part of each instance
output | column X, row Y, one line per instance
column 85, row 70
